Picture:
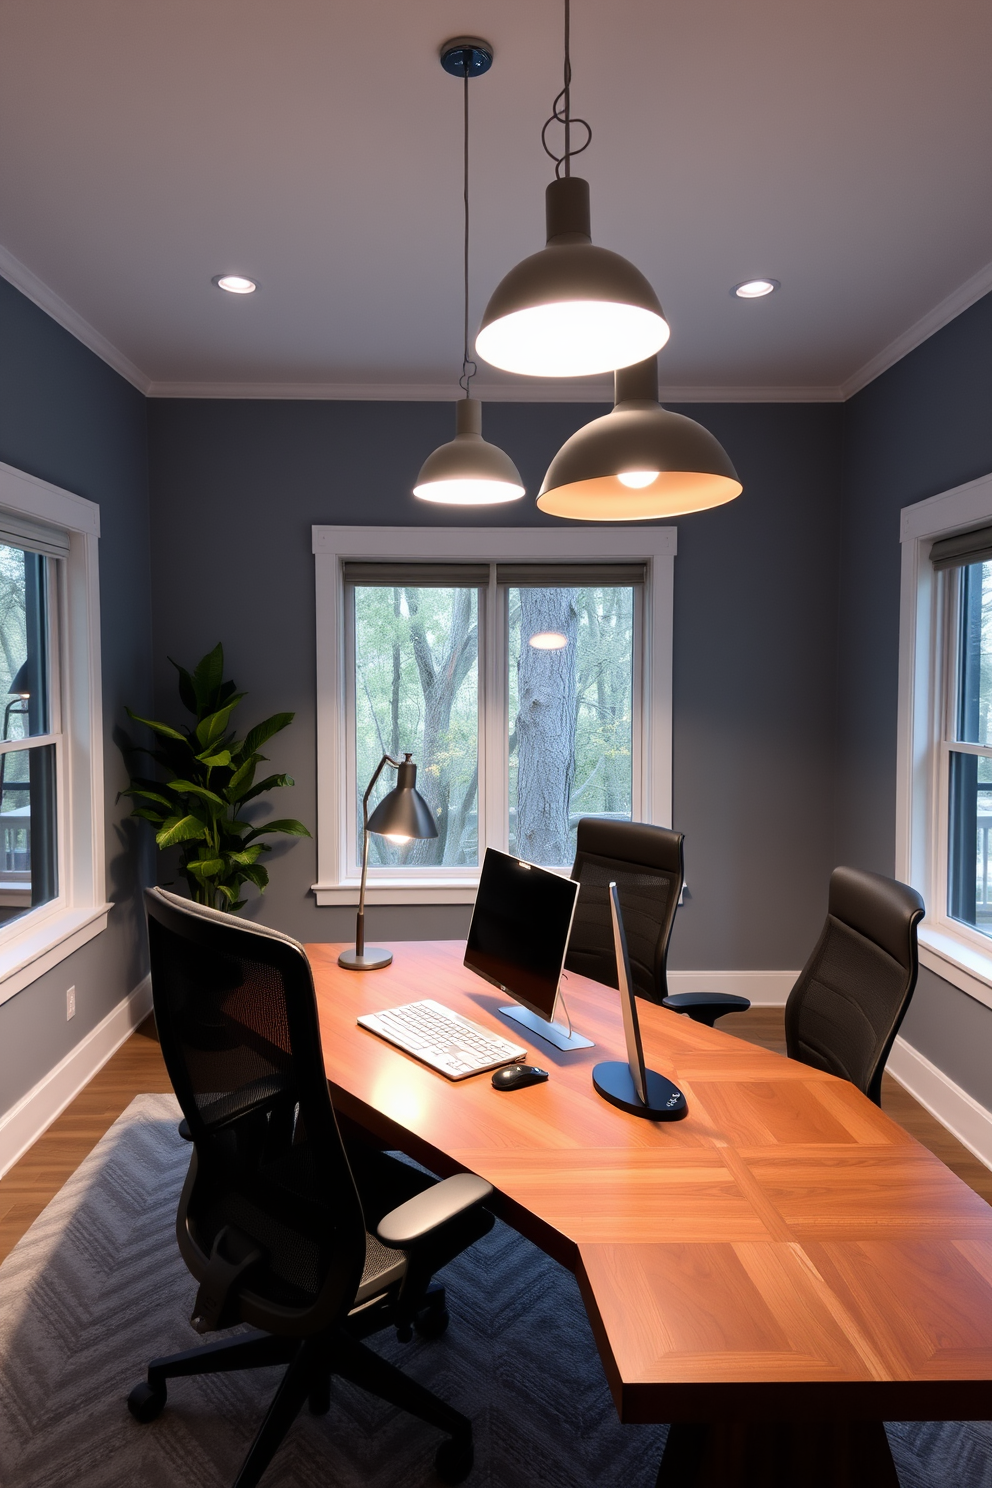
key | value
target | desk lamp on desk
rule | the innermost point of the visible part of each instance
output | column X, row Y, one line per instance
column 401, row 815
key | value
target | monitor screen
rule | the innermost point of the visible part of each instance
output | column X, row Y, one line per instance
column 520, row 927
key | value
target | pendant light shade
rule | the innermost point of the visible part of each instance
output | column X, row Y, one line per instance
column 638, row 462
column 572, row 309
column 468, row 471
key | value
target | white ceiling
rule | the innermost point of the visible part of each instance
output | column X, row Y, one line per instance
column 841, row 146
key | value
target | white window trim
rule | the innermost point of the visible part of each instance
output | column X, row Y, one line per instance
column 333, row 546
column 960, row 955
column 39, row 940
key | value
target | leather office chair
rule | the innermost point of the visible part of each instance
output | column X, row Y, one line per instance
column 314, row 1243
column 845, row 1010
column 645, row 863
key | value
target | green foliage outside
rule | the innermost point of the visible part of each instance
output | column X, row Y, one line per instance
column 210, row 778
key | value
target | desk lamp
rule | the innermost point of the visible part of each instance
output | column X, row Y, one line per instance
column 402, row 814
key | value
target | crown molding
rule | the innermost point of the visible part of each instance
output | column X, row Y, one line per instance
column 960, row 299
column 35, row 290
column 444, row 392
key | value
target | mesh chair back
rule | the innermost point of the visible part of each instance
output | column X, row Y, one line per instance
column 845, row 1010
column 237, row 1019
column 645, row 863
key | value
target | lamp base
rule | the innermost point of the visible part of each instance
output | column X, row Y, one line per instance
column 614, row 1082
column 371, row 960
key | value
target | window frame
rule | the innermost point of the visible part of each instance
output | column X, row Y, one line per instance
column 38, row 940
column 337, row 882
column 927, row 680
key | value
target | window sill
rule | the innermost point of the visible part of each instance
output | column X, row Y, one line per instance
column 962, row 963
column 399, row 891
column 34, row 949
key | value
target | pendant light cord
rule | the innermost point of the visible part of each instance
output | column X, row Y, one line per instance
column 561, row 112
column 466, row 378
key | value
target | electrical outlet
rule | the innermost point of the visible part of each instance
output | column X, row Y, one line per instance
column 70, row 1004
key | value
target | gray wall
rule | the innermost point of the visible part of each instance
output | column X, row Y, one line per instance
column 66, row 417
column 237, row 485
column 921, row 428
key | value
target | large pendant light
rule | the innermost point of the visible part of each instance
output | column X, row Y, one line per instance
column 572, row 309
column 638, row 462
column 468, row 471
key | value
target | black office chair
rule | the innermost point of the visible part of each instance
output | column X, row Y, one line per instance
column 312, row 1242
column 845, row 1010
column 645, row 863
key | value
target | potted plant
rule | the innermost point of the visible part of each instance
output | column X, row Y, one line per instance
column 208, row 779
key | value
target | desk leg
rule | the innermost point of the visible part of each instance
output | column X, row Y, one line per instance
column 818, row 1454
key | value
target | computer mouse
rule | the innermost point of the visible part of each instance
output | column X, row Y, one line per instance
column 516, row 1076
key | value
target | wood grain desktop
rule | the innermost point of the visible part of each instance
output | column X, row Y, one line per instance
column 787, row 1252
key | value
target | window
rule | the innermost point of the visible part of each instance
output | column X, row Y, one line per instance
column 528, row 673
column 944, row 778
column 52, row 892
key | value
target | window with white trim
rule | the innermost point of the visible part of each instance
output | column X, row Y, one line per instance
column 944, row 773
column 52, row 853
column 531, row 687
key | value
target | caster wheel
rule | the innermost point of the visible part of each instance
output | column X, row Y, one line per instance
column 145, row 1402
column 432, row 1322
column 453, row 1461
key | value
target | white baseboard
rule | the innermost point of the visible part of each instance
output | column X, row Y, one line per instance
column 953, row 1107
column 764, row 988
column 35, row 1111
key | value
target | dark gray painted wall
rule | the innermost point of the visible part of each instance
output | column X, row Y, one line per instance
column 67, row 417
column 237, row 485
column 921, row 428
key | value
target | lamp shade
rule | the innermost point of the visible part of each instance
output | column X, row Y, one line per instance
column 638, row 462
column 403, row 812
column 21, row 685
column 467, row 471
column 571, row 309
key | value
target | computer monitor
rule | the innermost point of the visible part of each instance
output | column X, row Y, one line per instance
column 518, row 939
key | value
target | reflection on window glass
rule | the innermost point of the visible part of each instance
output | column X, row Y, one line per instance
column 974, row 711
column 970, row 775
column 417, row 691
column 570, row 678
column 23, row 643
column 28, row 870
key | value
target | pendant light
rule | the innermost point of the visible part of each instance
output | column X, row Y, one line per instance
column 467, row 471
column 638, row 462
column 572, row 309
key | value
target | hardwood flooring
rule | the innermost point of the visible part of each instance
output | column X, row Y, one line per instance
column 137, row 1066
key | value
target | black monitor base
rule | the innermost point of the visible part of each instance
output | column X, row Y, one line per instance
column 613, row 1081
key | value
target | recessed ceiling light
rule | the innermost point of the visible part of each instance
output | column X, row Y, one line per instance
column 755, row 289
column 234, row 283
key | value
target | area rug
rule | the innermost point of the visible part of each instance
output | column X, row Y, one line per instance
column 96, row 1288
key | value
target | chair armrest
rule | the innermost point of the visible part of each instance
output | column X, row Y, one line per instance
column 705, row 1007
column 427, row 1211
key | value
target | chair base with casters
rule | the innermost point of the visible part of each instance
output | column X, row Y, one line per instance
column 705, row 1007
column 312, row 1365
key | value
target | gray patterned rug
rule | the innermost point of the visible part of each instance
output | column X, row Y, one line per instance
column 96, row 1288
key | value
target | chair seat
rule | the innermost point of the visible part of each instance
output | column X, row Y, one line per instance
column 705, row 1007
column 383, row 1268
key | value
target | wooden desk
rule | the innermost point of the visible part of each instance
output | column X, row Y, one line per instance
column 786, row 1253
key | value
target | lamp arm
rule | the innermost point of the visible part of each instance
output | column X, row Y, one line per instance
column 387, row 759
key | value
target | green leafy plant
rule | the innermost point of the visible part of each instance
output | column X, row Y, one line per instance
column 210, row 778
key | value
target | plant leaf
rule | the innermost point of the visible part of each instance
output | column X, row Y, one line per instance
column 286, row 824
column 211, row 728
column 214, row 761
column 149, row 795
column 242, row 777
column 208, row 675
column 206, row 867
column 262, row 731
column 269, row 783
column 187, row 691
column 247, row 857
column 257, row 875
column 163, row 729
column 180, row 829
column 190, row 788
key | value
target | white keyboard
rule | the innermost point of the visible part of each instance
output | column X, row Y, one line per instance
column 453, row 1045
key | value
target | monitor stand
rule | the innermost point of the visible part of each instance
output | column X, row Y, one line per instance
column 552, row 1033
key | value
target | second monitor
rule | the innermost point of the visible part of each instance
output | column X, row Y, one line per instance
column 518, row 940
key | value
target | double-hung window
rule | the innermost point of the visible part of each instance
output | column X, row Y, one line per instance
column 944, row 780
column 531, row 688
column 52, row 853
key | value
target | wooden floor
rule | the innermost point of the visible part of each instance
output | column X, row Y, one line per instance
column 137, row 1066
